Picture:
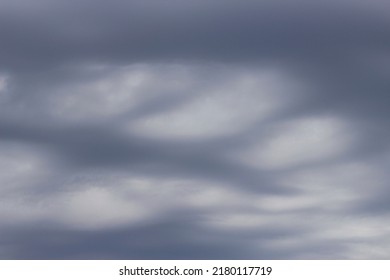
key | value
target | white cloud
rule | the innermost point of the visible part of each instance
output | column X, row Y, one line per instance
column 337, row 186
column 301, row 141
column 24, row 169
column 235, row 103
column 115, row 91
column 3, row 87
column 21, row 166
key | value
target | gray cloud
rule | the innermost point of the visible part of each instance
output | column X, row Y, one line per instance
column 143, row 30
column 194, row 130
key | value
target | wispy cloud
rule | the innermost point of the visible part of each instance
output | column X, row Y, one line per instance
column 194, row 130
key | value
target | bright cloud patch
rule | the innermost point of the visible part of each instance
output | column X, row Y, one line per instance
column 24, row 170
column 232, row 105
column 3, row 87
column 115, row 92
column 301, row 141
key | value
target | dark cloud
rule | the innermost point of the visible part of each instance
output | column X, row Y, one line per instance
column 170, row 239
column 254, row 130
column 58, row 32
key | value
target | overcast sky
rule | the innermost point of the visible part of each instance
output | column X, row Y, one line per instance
column 194, row 129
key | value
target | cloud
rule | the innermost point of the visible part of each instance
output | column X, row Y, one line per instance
column 194, row 130
column 301, row 141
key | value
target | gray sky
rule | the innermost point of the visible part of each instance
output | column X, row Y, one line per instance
column 194, row 129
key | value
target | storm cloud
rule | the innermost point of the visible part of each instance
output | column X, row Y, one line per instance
column 194, row 129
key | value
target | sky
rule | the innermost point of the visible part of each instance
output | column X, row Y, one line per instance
column 194, row 129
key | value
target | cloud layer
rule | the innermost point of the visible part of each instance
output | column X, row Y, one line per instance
column 194, row 130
